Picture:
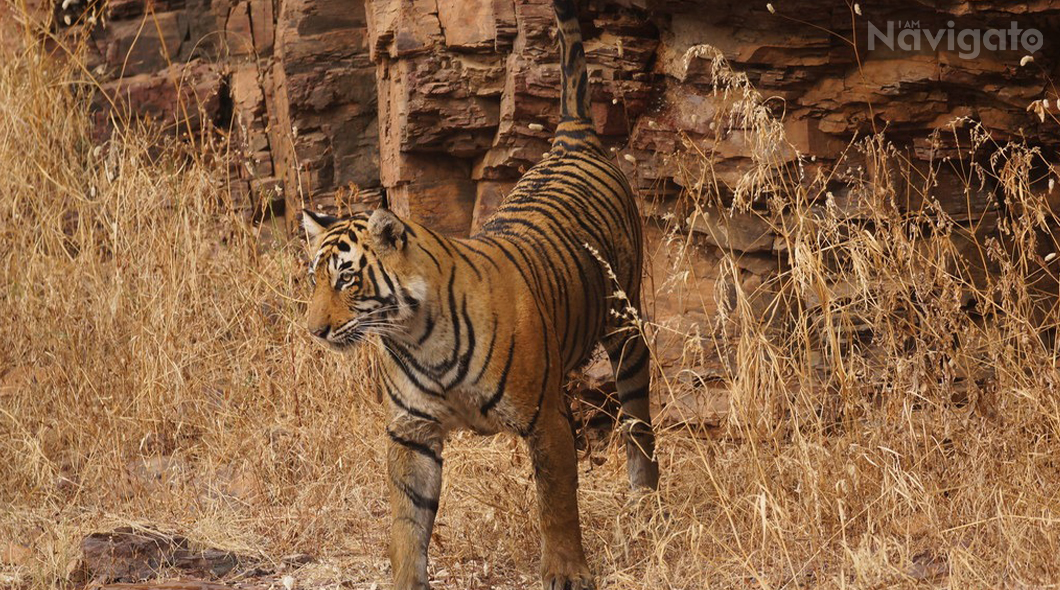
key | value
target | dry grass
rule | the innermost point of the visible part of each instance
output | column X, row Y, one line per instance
column 154, row 371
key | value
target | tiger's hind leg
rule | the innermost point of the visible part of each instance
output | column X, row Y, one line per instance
column 630, row 360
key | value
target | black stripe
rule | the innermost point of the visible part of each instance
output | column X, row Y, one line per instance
column 418, row 500
column 628, row 369
column 592, row 196
column 557, row 211
column 636, row 394
column 432, row 372
column 583, row 82
column 406, row 408
column 471, row 264
column 532, row 281
column 489, row 351
column 406, row 296
column 574, row 252
column 372, row 279
column 389, row 284
column 603, row 166
column 479, row 252
column 428, row 330
column 464, row 364
column 401, row 356
column 443, row 242
column 448, row 363
column 623, row 190
column 499, row 393
column 418, row 447
column 555, row 290
column 541, row 396
column 437, row 264
column 588, row 207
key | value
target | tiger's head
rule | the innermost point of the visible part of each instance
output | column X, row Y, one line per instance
column 363, row 282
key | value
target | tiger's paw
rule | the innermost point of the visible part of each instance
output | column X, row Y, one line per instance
column 569, row 581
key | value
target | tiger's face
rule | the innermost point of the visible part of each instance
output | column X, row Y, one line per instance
column 360, row 277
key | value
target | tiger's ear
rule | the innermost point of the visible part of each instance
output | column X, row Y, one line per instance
column 387, row 230
column 316, row 224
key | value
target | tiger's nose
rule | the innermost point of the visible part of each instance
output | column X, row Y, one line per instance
column 321, row 332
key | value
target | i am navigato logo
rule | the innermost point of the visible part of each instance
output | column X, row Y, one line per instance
column 909, row 36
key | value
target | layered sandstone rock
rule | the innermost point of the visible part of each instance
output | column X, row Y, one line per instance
column 289, row 81
column 443, row 103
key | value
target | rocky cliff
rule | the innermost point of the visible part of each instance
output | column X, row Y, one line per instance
column 444, row 102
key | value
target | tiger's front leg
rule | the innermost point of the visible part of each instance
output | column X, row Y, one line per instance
column 414, row 466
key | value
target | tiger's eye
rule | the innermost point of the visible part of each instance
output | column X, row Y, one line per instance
column 348, row 278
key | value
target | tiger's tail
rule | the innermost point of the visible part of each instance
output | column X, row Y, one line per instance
column 575, row 131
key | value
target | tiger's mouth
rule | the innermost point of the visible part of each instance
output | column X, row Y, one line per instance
column 355, row 331
column 347, row 337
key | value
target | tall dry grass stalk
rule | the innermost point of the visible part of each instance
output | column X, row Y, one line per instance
column 894, row 387
column 893, row 410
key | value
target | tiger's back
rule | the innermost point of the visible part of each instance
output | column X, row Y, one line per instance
column 567, row 217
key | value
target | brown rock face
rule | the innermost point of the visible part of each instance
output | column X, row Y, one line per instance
column 289, row 81
column 417, row 95
column 325, row 101
column 186, row 98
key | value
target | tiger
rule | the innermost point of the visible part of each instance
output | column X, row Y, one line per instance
column 480, row 333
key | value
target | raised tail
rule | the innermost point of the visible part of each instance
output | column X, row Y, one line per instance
column 575, row 131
